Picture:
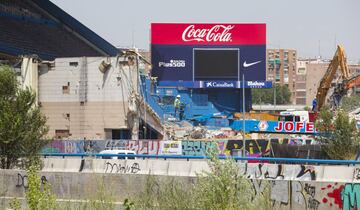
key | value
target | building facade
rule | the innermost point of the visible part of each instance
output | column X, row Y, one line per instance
column 94, row 98
column 301, row 78
column 281, row 68
column 315, row 72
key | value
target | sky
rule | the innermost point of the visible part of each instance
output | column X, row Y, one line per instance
column 312, row 27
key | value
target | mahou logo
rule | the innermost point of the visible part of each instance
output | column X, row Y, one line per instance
column 217, row 33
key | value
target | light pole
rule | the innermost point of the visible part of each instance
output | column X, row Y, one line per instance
column 243, row 99
column 274, row 86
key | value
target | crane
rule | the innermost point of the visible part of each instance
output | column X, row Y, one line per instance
column 339, row 60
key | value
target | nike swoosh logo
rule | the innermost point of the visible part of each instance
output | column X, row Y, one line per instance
column 250, row 64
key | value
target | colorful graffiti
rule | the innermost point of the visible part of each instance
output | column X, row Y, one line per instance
column 343, row 196
column 254, row 147
column 95, row 146
column 350, row 196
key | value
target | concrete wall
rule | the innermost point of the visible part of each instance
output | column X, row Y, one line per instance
column 113, row 85
column 29, row 74
column 104, row 96
column 76, row 96
column 88, row 120
column 292, row 186
column 180, row 167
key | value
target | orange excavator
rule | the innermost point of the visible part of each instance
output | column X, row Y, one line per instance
column 341, row 89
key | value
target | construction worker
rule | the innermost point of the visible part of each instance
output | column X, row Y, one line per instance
column 314, row 104
column 177, row 105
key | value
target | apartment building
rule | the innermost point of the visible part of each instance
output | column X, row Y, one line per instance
column 301, row 78
column 281, row 68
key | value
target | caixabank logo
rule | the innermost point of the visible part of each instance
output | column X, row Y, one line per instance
column 219, row 84
column 209, row 52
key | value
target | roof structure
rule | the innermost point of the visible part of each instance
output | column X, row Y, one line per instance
column 40, row 27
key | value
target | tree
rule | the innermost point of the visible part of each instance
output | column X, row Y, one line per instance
column 266, row 96
column 339, row 134
column 22, row 126
column 350, row 103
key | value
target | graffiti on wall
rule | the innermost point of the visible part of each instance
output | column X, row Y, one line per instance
column 288, row 194
column 344, row 196
column 254, row 147
column 122, row 168
column 22, row 181
column 350, row 196
column 95, row 146
column 278, row 172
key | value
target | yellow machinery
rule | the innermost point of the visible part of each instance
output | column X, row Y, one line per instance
column 257, row 115
column 339, row 60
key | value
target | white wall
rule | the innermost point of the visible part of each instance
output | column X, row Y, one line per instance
column 112, row 86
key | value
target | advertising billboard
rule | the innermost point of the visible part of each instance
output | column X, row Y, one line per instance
column 208, row 53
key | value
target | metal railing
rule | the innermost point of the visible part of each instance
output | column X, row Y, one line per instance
column 188, row 157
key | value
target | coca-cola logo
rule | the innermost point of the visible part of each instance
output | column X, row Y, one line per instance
column 217, row 33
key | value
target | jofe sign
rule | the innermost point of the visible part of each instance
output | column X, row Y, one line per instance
column 216, row 55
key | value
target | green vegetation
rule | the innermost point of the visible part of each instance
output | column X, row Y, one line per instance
column 15, row 204
column 221, row 188
column 350, row 103
column 101, row 201
column 266, row 96
column 39, row 195
column 339, row 133
column 22, row 126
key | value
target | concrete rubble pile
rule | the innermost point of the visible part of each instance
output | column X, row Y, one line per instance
column 186, row 131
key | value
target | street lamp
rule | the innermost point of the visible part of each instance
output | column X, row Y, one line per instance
column 243, row 93
column 274, row 86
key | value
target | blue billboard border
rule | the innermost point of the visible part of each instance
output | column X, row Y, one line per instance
column 166, row 52
column 218, row 84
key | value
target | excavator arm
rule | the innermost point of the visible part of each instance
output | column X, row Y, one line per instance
column 339, row 60
column 355, row 81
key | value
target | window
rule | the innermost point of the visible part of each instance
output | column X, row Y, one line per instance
column 300, row 85
column 286, row 78
column 301, row 101
column 75, row 64
column 301, row 70
column 66, row 88
column 301, row 94
column 59, row 134
column 286, row 118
